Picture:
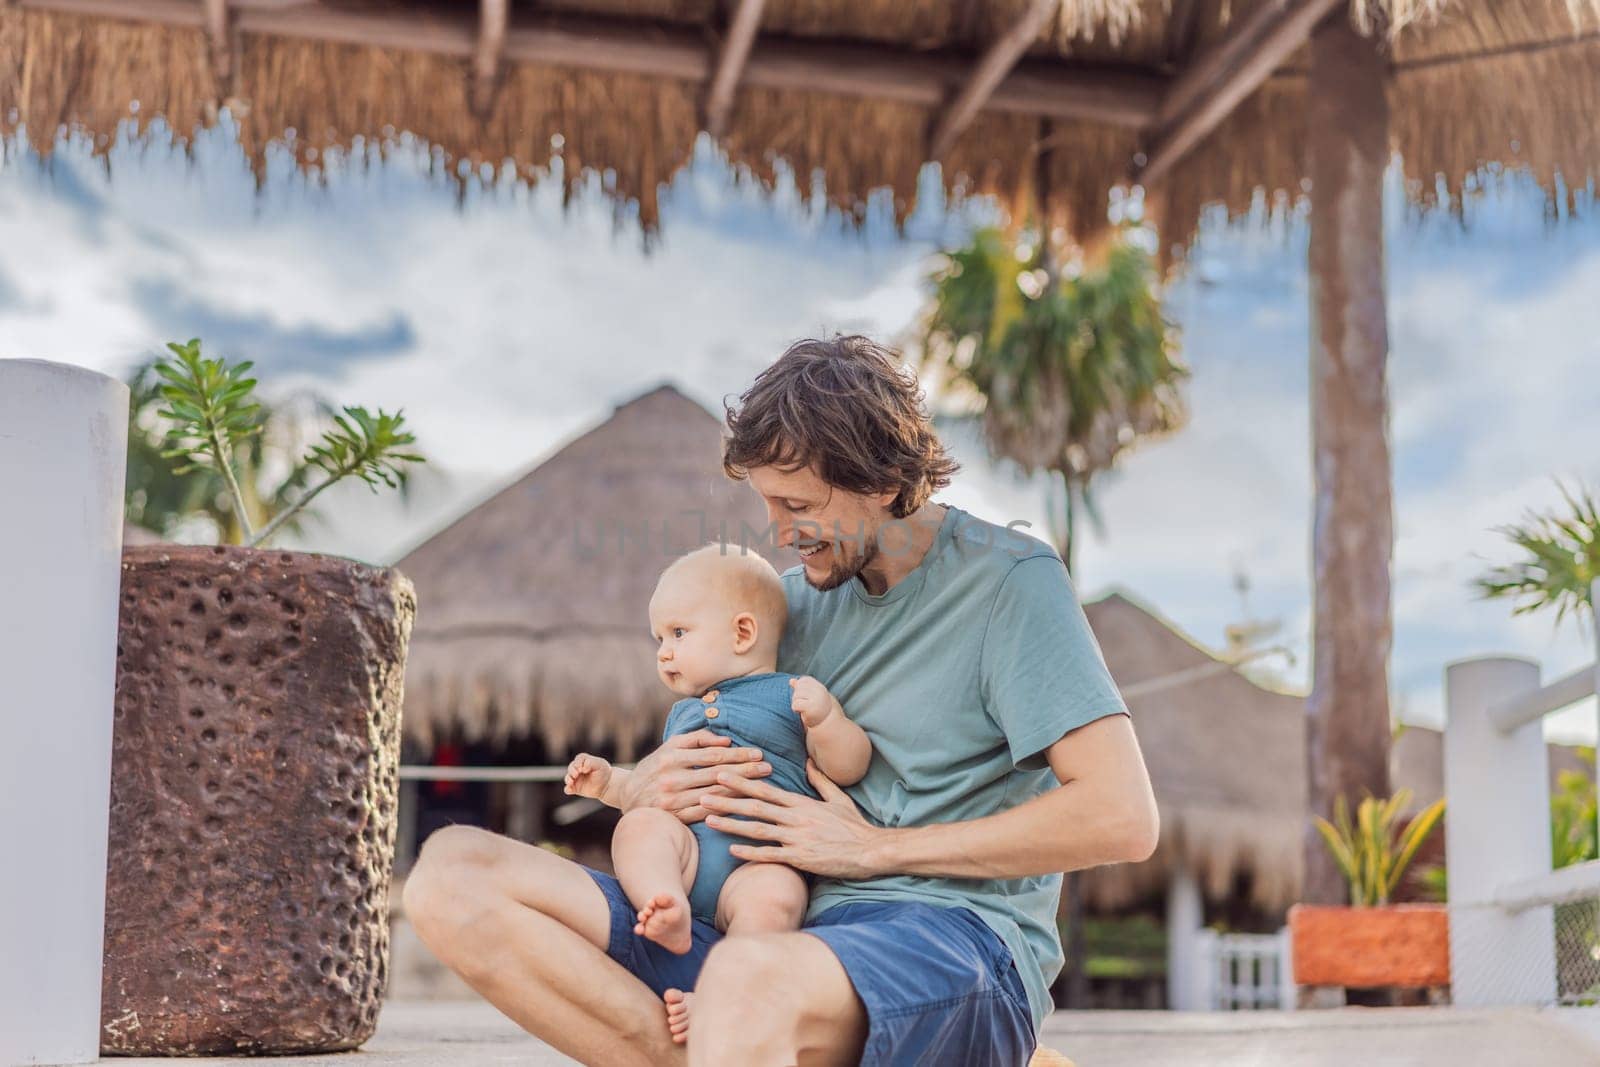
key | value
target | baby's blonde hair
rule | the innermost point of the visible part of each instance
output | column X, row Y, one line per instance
column 744, row 579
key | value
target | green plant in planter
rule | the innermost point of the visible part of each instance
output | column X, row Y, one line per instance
column 213, row 410
column 1374, row 850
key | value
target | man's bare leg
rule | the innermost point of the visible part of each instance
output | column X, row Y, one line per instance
column 655, row 856
column 774, row 1000
column 757, row 898
column 527, row 930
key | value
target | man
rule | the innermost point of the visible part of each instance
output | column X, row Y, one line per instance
column 1003, row 755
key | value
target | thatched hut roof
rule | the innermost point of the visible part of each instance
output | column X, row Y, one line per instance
column 531, row 613
column 865, row 91
column 1226, row 758
column 1416, row 762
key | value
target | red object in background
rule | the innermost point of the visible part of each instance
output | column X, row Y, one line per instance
column 1405, row 945
column 447, row 755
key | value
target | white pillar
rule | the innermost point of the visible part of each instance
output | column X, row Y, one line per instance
column 63, row 451
column 1288, row 992
column 1497, row 830
column 1185, row 918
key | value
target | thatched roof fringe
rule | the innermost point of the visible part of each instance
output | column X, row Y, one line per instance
column 1477, row 84
column 1396, row 16
column 571, row 693
column 1221, row 847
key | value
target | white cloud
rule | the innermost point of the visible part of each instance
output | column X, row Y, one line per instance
column 523, row 327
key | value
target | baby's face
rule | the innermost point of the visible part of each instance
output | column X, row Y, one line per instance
column 693, row 625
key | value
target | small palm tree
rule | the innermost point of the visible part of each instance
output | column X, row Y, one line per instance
column 160, row 496
column 1561, row 560
column 1373, row 850
column 1071, row 372
column 216, row 451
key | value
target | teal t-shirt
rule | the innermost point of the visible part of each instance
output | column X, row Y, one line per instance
column 961, row 674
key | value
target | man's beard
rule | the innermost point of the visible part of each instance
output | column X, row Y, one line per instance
column 843, row 569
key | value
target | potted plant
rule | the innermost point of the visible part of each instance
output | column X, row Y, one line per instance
column 1373, row 943
column 255, row 760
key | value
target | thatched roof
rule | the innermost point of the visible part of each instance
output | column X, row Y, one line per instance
column 859, row 90
column 1227, row 759
column 531, row 608
column 1416, row 761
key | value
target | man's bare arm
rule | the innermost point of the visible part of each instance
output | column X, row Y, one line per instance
column 1103, row 812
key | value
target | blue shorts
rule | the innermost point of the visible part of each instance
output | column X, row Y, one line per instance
column 939, row 986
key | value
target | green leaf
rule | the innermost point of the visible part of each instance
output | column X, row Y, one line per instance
column 1416, row 832
column 1339, row 847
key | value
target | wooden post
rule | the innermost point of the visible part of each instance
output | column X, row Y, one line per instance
column 1352, row 540
column 524, row 812
column 488, row 54
column 731, row 57
column 219, row 42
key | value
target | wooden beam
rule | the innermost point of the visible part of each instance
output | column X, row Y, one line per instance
column 1209, row 67
column 488, row 54
column 1182, row 24
column 731, row 59
column 1222, row 76
column 1042, row 88
column 219, row 41
column 990, row 71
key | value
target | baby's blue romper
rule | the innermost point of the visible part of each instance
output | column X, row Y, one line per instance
column 755, row 710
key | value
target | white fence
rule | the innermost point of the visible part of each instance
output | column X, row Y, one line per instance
column 1246, row 972
column 1520, row 933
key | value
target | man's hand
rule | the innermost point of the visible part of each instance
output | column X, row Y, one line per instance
column 587, row 776
column 812, row 701
column 827, row 836
column 680, row 774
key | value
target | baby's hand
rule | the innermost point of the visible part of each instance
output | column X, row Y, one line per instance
column 587, row 776
column 812, row 701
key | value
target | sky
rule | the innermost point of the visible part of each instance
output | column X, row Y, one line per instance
column 504, row 326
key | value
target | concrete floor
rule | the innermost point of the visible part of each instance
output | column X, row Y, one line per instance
column 430, row 1034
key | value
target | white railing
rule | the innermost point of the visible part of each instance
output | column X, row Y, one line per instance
column 1245, row 972
column 1503, row 894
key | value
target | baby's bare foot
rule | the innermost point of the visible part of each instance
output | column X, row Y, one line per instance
column 678, row 1003
column 665, row 920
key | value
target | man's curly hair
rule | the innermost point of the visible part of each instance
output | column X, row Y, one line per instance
column 847, row 407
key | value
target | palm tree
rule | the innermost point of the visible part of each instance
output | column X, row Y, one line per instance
column 1071, row 373
column 1561, row 560
column 270, row 473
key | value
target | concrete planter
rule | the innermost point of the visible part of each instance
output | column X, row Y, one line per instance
column 253, row 801
column 1399, row 945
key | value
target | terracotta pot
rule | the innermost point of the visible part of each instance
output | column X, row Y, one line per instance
column 255, row 760
column 1402, row 945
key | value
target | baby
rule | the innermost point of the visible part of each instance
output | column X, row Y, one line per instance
column 718, row 614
